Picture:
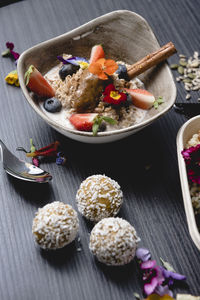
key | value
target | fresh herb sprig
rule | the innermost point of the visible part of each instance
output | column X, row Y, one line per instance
column 98, row 121
column 157, row 102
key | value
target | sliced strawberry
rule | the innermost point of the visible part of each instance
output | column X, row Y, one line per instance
column 96, row 53
column 141, row 98
column 37, row 83
column 83, row 122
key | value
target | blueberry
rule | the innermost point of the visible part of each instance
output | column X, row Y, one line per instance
column 52, row 105
column 122, row 72
column 102, row 126
column 67, row 69
column 129, row 99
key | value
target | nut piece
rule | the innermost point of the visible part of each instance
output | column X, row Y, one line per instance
column 55, row 225
column 113, row 241
column 99, row 197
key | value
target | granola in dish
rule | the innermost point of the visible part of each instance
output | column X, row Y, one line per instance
column 96, row 94
column 191, row 155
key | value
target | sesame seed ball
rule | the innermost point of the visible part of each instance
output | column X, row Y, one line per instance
column 99, row 197
column 55, row 225
column 113, row 241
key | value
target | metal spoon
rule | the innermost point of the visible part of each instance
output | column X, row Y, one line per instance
column 21, row 169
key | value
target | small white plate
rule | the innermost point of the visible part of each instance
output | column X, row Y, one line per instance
column 184, row 135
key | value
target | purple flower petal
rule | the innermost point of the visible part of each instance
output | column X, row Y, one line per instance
column 148, row 264
column 82, row 59
column 169, row 274
column 35, row 161
column 10, row 45
column 150, row 287
column 143, row 254
column 163, row 290
column 60, row 58
column 14, row 54
column 159, row 274
column 170, row 282
column 177, row 276
column 72, row 60
column 60, row 160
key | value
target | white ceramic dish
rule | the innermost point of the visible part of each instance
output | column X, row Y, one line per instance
column 126, row 36
column 185, row 133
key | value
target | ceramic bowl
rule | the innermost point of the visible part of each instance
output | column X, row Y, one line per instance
column 184, row 135
column 126, row 36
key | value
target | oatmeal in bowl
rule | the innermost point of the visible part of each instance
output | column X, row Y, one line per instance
column 81, row 92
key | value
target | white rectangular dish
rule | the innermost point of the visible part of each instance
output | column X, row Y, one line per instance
column 185, row 133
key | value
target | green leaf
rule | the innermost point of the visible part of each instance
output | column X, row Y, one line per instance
column 167, row 265
column 160, row 100
column 6, row 53
column 97, row 122
column 109, row 120
column 32, row 146
column 155, row 104
column 95, row 128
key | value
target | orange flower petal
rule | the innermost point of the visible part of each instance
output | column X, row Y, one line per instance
column 101, row 61
column 95, row 68
column 102, row 67
column 103, row 76
column 110, row 66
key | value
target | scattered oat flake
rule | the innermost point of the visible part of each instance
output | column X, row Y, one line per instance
column 187, row 297
column 188, row 96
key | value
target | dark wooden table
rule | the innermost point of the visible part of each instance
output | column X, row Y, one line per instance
column 152, row 198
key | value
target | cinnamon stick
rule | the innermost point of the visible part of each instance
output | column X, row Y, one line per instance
column 151, row 60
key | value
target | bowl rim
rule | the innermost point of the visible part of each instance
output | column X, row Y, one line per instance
column 87, row 28
column 189, row 211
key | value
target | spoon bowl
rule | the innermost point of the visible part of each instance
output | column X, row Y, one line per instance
column 21, row 169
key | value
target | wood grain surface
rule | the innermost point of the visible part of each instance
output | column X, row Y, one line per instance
column 152, row 196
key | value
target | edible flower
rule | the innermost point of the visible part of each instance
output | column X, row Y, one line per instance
column 103, row 67
column 157, row 279
column 113, row 96
column 50, row 150
column 10, row 52
column 97, row 122
column 61, row 159
column 192, row 160
column 12, row 78
column 35, row 160
column 75, row 60
column 143, row 254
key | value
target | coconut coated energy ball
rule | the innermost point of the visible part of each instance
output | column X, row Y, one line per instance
column 99, row 197
column 55, row 225
column 113, row 241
